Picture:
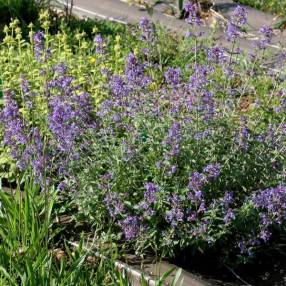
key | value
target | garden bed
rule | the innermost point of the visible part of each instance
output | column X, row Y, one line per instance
column 154, row 144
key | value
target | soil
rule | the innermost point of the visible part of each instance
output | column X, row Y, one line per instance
column 269, row 269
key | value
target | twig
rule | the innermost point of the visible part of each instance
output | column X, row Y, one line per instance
column 237, row 276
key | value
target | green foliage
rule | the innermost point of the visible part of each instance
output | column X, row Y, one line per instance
column 237, row 134
column 272, row 6
column 28, row 253
column 25, row 10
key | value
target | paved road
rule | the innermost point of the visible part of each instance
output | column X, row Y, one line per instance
column 119, row 11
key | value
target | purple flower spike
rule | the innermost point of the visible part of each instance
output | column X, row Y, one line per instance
column 150, row 193
column 172, row 76
column 236, row 23
column 113, row 204
column 60, row 69
column 212, row 170
column 197, row 181
column 41, row 54
column 217, row 55
column 176, row 214
column 99, row 44
column 192, row 14
column 239, row 16
column 267, row 35
column 131, row 227
column 15, row 129
column 147, row 29
column 134, row 72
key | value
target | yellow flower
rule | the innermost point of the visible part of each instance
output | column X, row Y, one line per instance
column 14, row 24
column 116, row 48
column 94, row 30
column 92, row 60
column 84, row 45
column 46, row 24
column 136, row 51
column 44, row 15
column 117, row 38
column 24, row 112
column 153, row 86
column 6, row 29
column 18, row 30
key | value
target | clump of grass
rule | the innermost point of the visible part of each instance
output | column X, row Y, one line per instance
column 29, row 253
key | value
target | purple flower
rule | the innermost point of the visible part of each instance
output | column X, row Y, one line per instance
column 267, row 35
column 227, row 199
column 192, row 14
column 15, row 133
column 198, row 80
column 212, row 170
column 131, row 227
column 113, row 204
column 229, row 216
column 282, row 106
column 60, row 69
column 192, row 216
column 134, row 72
column 232, row 32
column 217, row 55
column 197, row 181
column 239, row 16
column 237, row 21
column 147, row 29
column 159, row 165
column 25, row 144
column 242, row 137
column 207, row 106
column 202, row 135
column 27, row 95
column 41, row 54
column 150, row 193
column 265, row 234
column 69, row 115
column 62, row 186
column 39, row 37
column 99, row 44
column 272, row 204
column 107, row 176
column 118, row 87
column 24, row 85
column 173, row 141
column 172, row 76
column 39, row 157
column 173, row 169
column 175, row 214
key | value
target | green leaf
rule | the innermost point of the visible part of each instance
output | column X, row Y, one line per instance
column 1, row 93
column 281, row 24
column 180, row 4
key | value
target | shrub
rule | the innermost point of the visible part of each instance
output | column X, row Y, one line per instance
column 165, row 144
column 25, row 10
column 198, row 164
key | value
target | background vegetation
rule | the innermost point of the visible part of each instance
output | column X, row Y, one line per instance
column 273, row 6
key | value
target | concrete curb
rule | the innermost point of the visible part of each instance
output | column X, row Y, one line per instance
column 151, row 272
